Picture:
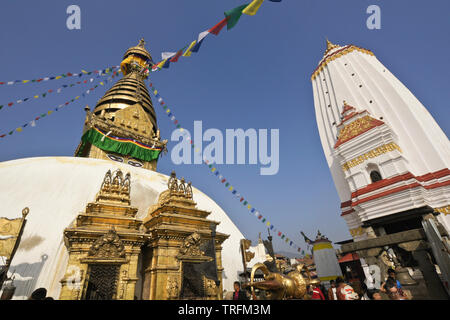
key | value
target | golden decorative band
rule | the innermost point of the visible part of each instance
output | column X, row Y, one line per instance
column 357, row 231
column 336, row 55
column 444, row 210
column 371, row 154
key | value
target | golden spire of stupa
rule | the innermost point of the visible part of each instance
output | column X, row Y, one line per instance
column 125, row 113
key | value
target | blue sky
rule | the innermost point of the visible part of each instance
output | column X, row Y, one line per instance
column 256, row 75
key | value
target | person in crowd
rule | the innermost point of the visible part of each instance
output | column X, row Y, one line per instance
column 392, row 287
column 239, row 294
column 38, row 294
column 317, row 293
column 332, row 291
column 323, row 289
column 364, row 292
column 345, row 291
column 376, row 295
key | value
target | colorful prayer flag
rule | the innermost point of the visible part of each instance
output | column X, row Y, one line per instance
column 234, row 15
column 167, row 55
column 219, row 26
column 188, row 52
column 201, row 37
column 253, row 7
column 175, row 58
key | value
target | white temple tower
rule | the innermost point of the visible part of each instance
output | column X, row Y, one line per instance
column 388, row 157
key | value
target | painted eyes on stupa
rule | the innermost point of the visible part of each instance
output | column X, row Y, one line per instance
column 132, row 162
column 115, row 158
column 135, row 163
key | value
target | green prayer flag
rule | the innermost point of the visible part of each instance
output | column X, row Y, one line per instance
column 234, row 15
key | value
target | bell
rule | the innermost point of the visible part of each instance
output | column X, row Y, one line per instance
column 404, row 277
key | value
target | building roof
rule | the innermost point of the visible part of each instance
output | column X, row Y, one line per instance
column 349, row 257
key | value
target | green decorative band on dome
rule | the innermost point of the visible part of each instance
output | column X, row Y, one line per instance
column 124, row 146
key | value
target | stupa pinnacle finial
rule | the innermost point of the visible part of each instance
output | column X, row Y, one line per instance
column 330, row 46
column 141, row 43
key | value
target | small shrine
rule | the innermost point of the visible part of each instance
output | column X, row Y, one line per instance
column 104, row 244
column 183, row 258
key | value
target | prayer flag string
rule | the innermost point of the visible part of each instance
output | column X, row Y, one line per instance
column 225, row 182
column 231, row 19
column 32, row 123
column 64, row 86
column 64, row 75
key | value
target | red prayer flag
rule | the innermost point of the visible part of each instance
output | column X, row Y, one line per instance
column 216, row 29
column 175, row 58
column 10, row 104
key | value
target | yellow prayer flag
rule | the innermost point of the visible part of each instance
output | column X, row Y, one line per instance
column 77, row 97
column 36, row 97
column 7, row 246
column 50, row 112
column 10, row 227
column 161, row 64
column 19, row 129
column 25, row 81
column 188, row 52
column 58, row 77
column 101, row 83
column 253, row 7
column 84, row 71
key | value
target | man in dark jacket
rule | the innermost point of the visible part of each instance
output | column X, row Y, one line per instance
column 238, row 294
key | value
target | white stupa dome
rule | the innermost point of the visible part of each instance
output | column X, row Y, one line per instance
column 56, row 190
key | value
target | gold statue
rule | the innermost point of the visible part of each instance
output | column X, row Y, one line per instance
column 278, row 286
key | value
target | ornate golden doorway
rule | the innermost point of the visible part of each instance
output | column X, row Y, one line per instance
column 102, row 282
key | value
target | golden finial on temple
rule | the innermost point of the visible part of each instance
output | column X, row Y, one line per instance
column 141, row 43
column 331, row 46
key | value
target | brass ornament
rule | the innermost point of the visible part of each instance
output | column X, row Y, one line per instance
column 279, row 286
column 191, row 246
column 371, row 154
column 108, row 246
column 443, row 210
column 173, row 288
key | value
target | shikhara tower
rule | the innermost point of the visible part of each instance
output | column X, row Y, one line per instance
column 123, row 125
column 388, row 157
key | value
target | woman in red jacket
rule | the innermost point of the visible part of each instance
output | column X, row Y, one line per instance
column 317, row 293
